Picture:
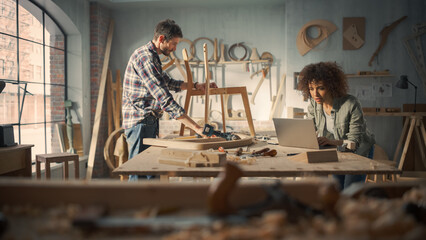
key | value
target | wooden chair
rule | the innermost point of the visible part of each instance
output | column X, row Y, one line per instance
column 213, row 91
column 116, row 150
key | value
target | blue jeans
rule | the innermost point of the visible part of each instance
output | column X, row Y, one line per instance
column 147, row 128
column 346, row 180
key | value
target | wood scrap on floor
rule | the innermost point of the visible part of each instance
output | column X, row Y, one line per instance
column 316, row 156
column 188, row 158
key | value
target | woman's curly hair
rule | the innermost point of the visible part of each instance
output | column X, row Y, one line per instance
column 329, row 73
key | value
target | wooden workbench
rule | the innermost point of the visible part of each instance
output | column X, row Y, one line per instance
column 146, row 163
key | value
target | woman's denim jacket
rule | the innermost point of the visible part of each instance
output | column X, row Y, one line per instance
column 349, row 122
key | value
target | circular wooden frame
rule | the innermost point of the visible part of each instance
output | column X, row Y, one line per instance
column 191, row 49
column 208, row 39
column 230, row 50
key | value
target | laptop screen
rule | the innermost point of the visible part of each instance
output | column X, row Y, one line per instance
column 296, row 132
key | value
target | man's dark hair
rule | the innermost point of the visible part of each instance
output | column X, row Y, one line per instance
column 169, row 29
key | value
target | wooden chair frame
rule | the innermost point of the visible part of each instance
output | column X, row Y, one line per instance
column 214, row 91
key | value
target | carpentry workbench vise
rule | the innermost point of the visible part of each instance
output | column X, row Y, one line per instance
column 209, row 131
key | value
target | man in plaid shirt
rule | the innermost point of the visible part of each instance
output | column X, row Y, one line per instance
column 146, row 90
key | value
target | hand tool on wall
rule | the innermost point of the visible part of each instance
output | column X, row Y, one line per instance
column 384, row 33
column 209, row 131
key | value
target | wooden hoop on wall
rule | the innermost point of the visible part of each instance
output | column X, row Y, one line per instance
column 230, row 50
column 200, row 38
column 191, row 49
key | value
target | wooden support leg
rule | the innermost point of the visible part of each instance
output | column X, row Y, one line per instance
column 401, row 139
column 38, row 171
column 407, row 143
column 76, row 169
column 65, row 170
column 47, row 169
column 186, row 107
column 222, row 103
column 248, row 111
column 420, row 142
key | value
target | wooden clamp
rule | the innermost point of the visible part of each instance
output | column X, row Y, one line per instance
column 384, row 36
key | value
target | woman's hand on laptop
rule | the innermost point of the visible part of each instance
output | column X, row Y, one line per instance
column 322, row 141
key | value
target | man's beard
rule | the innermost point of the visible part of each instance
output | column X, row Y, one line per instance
column 165, row 52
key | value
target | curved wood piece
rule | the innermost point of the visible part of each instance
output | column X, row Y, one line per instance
column 109, row 148
column 205, row 38
column 384, row 33
column 189, row 89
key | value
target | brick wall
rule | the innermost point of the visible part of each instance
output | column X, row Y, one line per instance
column 99, row 23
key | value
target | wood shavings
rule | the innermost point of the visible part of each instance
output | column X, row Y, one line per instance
column 241, row 159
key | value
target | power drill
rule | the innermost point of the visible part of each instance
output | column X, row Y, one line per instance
column 209, row 131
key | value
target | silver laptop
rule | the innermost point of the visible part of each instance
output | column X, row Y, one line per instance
column 296, row 132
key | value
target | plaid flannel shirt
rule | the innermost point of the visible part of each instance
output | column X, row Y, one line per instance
column 146, row 88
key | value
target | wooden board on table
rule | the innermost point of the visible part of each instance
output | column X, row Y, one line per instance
column 316, row 156
column 198, row 144
column 189, row 158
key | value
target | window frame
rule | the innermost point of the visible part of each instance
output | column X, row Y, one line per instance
column 44, row 72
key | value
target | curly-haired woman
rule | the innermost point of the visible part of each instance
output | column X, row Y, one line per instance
column 337, row 115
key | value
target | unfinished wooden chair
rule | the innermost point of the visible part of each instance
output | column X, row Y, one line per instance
column 213, row 91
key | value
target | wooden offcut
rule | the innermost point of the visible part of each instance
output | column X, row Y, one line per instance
column 316, row 156
column 189, row 158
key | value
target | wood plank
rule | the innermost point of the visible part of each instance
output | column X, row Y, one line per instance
column 110, row 102
column 118, row 96
column 98, row 114
column 207, row 81
column 124, row 195
column 316, row 156
column 204, row 144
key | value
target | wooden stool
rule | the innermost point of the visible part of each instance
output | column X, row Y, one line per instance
column 57, row 158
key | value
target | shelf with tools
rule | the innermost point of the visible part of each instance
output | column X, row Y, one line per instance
column 367, row 76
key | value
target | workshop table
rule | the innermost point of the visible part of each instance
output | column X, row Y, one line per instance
column 146, row 163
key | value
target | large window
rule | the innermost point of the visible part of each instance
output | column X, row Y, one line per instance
column 32, row 64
